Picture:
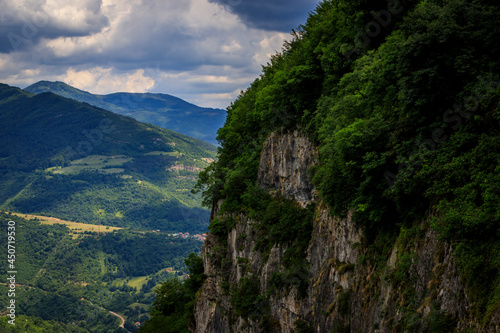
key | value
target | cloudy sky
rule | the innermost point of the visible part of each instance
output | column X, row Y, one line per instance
column 204, row 51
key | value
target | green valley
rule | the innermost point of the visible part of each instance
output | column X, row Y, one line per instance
column 67, row 159
column 70, row 284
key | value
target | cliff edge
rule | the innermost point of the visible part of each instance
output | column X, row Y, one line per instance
column 350, row 284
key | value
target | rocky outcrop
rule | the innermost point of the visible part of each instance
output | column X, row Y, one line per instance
column 352, row 285
column 285, row 163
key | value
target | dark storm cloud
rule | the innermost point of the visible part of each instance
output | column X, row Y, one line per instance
column 23, row 37
column 23, row 25
column 272, row 15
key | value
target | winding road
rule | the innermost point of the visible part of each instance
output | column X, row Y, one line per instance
column 116, row 314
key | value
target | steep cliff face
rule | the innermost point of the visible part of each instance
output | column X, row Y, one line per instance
column 352, row 284
column 284, row 166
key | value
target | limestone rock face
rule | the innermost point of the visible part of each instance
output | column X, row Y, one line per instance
column 284, row 164
column 350, row 288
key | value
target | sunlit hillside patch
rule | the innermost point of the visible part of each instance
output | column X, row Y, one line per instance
column 99, row 163
column 76, row 228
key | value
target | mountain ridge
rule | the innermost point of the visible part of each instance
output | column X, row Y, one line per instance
column 163, row 110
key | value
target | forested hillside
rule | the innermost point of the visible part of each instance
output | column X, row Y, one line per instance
column 401, row 99
column 68, row 284
column 70, row 160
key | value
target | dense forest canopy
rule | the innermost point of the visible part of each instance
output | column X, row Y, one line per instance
column 401, row 97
